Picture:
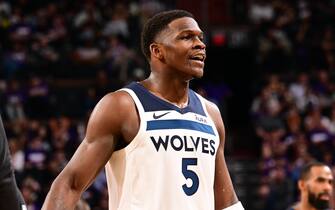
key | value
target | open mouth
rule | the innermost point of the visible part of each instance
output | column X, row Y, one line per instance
column 324, row 197
column 198, row 57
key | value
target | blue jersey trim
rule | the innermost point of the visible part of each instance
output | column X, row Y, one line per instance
column 152, row 103
column 179, row 124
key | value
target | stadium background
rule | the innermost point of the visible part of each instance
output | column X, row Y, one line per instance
column 270, row 69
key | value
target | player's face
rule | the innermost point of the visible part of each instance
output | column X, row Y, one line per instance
column 183, row 47
column 320, row 187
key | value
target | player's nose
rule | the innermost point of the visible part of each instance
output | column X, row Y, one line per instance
column 199, row 44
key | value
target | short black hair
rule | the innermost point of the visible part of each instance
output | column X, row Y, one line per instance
column 306, row 169
column 156, row 24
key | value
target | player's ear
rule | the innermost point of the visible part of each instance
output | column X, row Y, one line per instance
column 301, row 185
column 156, row 51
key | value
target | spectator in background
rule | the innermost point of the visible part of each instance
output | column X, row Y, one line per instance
column 298, row 90
column 14, row 101
column 18, row 159
column 316, row 187
column 31, row 190
column 317, row 133
column 38, row 98
column 261, row 11
column 329, row 122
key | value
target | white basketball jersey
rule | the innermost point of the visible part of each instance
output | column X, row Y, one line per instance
column 170, row 164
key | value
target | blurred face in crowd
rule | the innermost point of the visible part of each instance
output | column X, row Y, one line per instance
column 319, row 187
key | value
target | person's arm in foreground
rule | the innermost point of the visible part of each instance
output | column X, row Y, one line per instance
column 225, row 196
column 91, row 156
column 10, row 195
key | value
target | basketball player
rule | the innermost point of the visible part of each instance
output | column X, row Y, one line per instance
column 163, row 143
column 316, row 187
column 10, row 196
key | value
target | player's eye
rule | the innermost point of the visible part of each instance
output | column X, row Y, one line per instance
column 186, row 37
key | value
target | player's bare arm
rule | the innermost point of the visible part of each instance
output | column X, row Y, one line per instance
column 223, row 188
column 104, row 129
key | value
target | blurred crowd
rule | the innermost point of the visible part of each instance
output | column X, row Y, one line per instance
column 58, row 58
column 293, row 109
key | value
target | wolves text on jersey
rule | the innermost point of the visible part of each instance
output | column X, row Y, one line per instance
column 185, row 143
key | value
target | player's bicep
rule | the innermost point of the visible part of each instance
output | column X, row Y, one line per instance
column 223, row 188
column 97, row 147
column 88, row 160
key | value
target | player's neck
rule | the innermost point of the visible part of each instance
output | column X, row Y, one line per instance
column 172, row 92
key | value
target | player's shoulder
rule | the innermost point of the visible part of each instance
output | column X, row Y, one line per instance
column 112, row 110
column 117, row 98
column 117, row 101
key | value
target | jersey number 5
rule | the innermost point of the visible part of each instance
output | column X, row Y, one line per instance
column 189, row 174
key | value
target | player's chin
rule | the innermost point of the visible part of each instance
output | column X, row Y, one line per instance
column 196, row 68
column 198, row 72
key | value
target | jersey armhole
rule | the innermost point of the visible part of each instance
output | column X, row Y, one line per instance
column 203, row 103
column 136, row 100
column 140, row 111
